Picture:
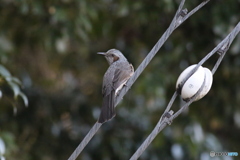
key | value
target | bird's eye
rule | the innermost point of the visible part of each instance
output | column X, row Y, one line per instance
column 112, row 55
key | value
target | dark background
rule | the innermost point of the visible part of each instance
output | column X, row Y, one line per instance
column 51, row 47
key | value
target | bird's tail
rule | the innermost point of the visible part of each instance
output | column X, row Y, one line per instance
column 107, row 111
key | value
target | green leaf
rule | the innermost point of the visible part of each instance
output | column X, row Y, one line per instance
column 15, row 88
column 24, row 97
column 14, row 80
column 4, row 72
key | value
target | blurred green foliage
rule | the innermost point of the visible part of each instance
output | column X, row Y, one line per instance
column 14, row 83
column 51, row 47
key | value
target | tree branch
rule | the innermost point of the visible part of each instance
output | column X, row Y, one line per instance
column 178, row 19
column 176, row 22
column 221, row 49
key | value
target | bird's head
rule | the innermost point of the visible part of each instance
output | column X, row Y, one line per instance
column 113, row 55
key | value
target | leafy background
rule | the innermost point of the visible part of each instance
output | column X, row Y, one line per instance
column 49, row 49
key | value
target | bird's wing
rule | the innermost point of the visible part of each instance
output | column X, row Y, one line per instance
column 118, row 75
column 121, row 75
column 107, row 81
column 113, row 78
column 107, row 111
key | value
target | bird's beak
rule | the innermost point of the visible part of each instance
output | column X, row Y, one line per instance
column 102, row 53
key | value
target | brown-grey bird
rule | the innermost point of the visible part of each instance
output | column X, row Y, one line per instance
column 119, row 71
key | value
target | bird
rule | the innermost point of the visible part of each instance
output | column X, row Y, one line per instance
column 116, row 76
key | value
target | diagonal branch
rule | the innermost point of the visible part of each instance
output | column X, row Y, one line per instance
column 178, row 19
column 221, row 49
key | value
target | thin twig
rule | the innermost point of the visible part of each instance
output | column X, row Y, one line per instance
column 221, row 48
column 176, row 22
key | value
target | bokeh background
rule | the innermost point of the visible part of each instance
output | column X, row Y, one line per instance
column 51, row 46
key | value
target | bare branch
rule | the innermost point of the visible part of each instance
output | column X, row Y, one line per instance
column 178, row 19
column 85, row 141
column 221, row 49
